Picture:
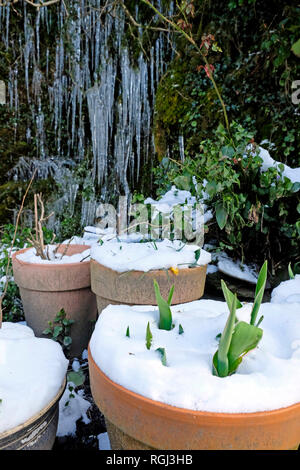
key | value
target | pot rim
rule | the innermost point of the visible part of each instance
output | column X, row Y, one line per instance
column 48, row 265
column 135, row 271
column 190, row 415
column 35, row 417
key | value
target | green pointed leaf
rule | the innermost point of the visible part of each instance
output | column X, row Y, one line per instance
column 148, row 337
column 228, row 295
column 222, row 359
column 171, row 295
column 162, row 352
column 180, row 330
column 291, row 274
column 262, row 277
column 259, row 291
column 165, row 314
column 221, row 215
column 244, row 338
column 128, row 332
column 259, row 321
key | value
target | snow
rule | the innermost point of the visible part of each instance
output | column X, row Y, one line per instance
column 30, row 256
column 293, row 174
column 128, row 253
column 104, row 442
column 32, row 370
column 267, row 379
column 72, row 406
column 175, row 197
column 236, row 269
column 287, row 291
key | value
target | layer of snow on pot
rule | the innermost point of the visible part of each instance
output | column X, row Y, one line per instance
column 267, row 379
column 236, row 269
column 287, row 291
column 293, row 174
column 72, row 406
column 32, row 371
column 132, row 253
column 30, row 256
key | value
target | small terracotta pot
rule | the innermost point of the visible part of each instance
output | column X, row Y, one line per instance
column 136, row 287
column 135, row 422
column 38, row 432
column 47, row 288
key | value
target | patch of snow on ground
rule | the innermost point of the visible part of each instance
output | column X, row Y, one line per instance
column 71, row 408
column 287, row 291
column 104, row 442
column 236, row 269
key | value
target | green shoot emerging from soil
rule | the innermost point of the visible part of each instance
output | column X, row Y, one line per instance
column 239, row 337
column 165, row 314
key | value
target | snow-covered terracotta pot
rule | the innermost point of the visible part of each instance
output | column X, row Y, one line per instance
column 176, row 402
column 119, row 283
column 137, row 423
column 47, row 288
column 38, row 432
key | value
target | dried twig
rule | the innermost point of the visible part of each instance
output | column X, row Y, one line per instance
column 38, row 241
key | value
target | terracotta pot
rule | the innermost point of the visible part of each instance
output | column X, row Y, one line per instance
column 47, row 288
column 38, row 432
column 136, row 287
column 135, row 422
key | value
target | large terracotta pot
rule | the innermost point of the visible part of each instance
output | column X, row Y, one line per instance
column 136, row 287
column 38, row 432
column 47, row 288
column 135, row 422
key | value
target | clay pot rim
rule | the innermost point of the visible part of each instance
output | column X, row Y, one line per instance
column 186, row 414
column 35, row 417
column 134, row 271
column 49, row 265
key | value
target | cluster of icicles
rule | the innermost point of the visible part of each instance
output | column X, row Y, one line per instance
column 84, row 60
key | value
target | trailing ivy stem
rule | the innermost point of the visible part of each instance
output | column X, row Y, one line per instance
column 193, row 42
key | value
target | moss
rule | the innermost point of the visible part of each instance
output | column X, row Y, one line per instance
column 12, row 192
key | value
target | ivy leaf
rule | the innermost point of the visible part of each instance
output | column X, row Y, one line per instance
column 77, row 378
column 67, row 341
column 296, row 48
column 57, row 330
